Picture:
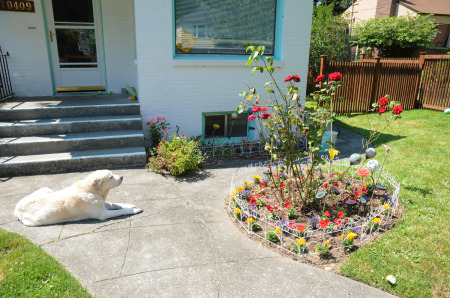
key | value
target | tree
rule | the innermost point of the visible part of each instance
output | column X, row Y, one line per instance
column 328, row 36
column 339, row 5
column 395, row 36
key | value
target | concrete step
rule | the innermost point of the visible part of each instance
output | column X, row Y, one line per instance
column 72, row 161
column 69, row 125
column 70, row 142
column 11, row 112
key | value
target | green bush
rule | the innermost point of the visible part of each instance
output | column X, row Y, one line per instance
column 176, row 157
column 395, row 36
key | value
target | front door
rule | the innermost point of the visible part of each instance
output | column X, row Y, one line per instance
column 74, row 33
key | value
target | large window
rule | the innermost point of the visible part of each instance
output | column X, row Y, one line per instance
column 230, row 125
column 224, row 27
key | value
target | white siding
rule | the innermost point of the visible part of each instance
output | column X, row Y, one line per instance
column 403, row 11
column 182, row 90
column 23, row 36
column 362, row 10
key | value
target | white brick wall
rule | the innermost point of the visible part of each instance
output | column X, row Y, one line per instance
column 120, row 51
column 181, row 91
column 28, row 61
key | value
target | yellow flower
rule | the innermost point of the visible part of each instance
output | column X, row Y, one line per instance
column 277, row 230
column 341, row 173
column 257, row 177
column 333, row 153
column 365, row 184
column 307, row 169
column 216, row 126
column 387, row 206
column 326, row 243
column 351, row 236
column 341, row 236
column 237, row 210
column 240, row 188
column 295, row 170
column 245, row 182
column 376, row 220
column 250, row 220
column 232, row 196
column 300, row 241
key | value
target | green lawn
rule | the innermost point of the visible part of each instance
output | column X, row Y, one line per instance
column 28, row 271
column 417, row 250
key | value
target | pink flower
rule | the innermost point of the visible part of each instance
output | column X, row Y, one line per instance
column 151, row 121
column 335, row 76
column 397, row 110
column 363, row 172
column 256, row 109
column 388, row 148
column 320, row 78
column 264, row 109
column 158, row 118
column 265, row 115
column 162, row 118
column 251, row 117
column 165, row 130
column 295, row 78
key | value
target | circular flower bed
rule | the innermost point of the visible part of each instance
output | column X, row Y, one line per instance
column 344, row 216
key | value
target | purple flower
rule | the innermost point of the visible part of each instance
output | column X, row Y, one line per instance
column 246, row 193
column 265, row 180
column 356, row 230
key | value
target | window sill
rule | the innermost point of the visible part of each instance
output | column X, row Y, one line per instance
column 216, row 62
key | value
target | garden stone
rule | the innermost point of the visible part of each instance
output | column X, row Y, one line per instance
column 363, row 200
column 320, row 195
column 336, row 191
column 347, row 182
column 380, row 187
column 373, row 165
column 351, row 202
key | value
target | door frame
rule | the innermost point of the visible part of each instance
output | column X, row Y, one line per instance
column 101, row 56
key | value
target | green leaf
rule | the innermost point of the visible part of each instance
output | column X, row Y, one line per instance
column 254, row 69
column 252, row 48
column 243, row 93
column 240, row 109
column 130, row 90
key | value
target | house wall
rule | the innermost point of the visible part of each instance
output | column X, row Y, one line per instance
column 362, row 10
column 23, row 37
column 181, row 89
column 385, row 8
column 404, row 11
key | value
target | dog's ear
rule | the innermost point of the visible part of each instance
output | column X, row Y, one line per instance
column 96, row 183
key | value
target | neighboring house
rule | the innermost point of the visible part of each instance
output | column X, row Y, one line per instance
column 186, row 58
column 362, row 10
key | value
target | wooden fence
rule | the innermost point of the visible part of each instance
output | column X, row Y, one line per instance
column 413, row 82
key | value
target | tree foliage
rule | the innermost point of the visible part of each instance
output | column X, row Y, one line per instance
column 328, row 36
column 395, row 36
column 339, row 5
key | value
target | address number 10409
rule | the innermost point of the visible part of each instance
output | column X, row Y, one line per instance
column 17, row 5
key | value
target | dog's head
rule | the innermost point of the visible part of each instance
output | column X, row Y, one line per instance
column 102, row 181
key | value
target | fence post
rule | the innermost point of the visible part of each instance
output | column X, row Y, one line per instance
column 376, row 74
column 323, row 66
column 417, row 97
column 363, row 56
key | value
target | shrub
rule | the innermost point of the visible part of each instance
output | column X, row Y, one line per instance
column 176, row 157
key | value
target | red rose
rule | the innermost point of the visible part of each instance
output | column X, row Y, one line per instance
column 341, row 214
column 383, row 101
column 320, row 78
column 397, row 110
column 295, row 78
column 256, row 109
column 251, row 117
column 327, row 213
column 270, row 208
column 381, row 110
column 264, row 109
column 301, row 228
column 265, row 115
column 287, row 204
column 324, row 223
column 292, row 225
column 335, row 76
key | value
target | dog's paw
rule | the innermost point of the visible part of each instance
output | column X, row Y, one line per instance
column 137, row 210
column 126, row 206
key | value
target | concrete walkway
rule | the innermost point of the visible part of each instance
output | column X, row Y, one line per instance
column 183, row 244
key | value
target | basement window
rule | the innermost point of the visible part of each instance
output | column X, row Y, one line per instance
column 228, row 127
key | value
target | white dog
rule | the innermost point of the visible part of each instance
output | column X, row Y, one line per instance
column 82, row 200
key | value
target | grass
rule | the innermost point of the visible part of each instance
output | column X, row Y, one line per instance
column 28, row 271
column 417, row 250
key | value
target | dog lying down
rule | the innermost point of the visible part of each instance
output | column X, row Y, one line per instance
column 82, row 200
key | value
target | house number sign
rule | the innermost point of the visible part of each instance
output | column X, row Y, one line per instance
column 17, row 5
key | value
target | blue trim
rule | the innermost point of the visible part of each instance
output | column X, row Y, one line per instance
column 52, row 75
column 279, row 30
column 173, row 29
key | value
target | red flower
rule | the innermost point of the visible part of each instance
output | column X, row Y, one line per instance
column 397, row 110
column 324, row 223
column 270, row 208
column 383, row 101
column 251, row 117
column 262, row 184
column 282, row 185
column 325, row 185
column 327, row 213
column 364, row 190
column 258, row 195
column 320, row 78
column 363, row 172
column 275, row 208
column 336, row 185
column 287, row 204
column 292, row 225
column 358, row 193
column 335, row 76
column 381, row 110
column 265, row 115
column 341, row 214
column 264, row 109
column 295, row 78
column 337, row 221
column 275, row 175
column 253, row 201
column 256, row 109
column 301, row 228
